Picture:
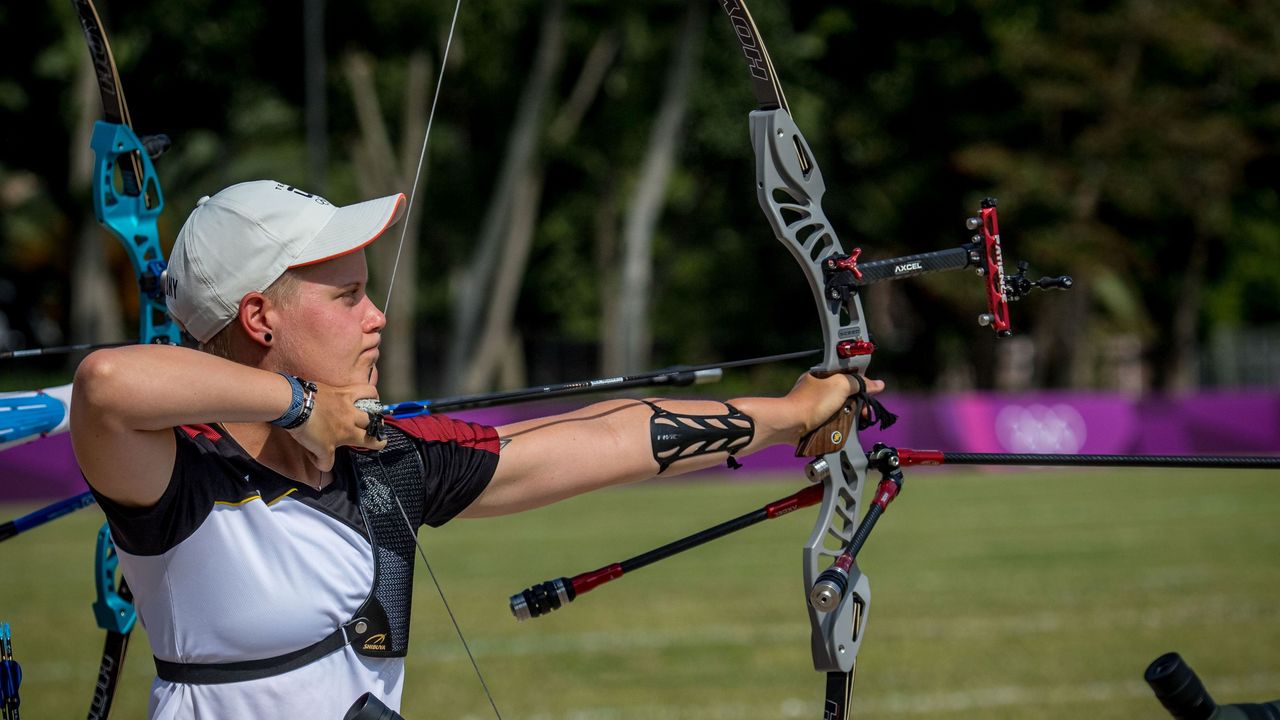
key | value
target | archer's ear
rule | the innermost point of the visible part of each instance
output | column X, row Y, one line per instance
column 255, row 320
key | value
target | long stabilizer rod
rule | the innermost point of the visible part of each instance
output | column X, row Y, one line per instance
column 543, row 598
column 939, row 457
column 546, row 596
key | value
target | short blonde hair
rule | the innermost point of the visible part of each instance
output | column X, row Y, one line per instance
column 281, row 292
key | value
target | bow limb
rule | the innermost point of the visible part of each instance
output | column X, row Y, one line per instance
column 790, row 187
column 131, row 211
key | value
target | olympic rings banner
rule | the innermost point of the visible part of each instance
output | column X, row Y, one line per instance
column 1235, row 422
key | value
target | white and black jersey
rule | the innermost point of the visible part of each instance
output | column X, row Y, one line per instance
column 237, row 562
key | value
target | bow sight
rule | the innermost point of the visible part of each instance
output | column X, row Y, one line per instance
column 843, row 274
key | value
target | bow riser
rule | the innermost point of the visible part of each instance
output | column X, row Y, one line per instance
column 132, row 217
column 790, row 188
column 836, row 635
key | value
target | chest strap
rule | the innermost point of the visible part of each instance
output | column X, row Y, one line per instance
column 219, row 673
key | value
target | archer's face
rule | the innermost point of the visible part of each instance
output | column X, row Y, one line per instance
column 331, row 330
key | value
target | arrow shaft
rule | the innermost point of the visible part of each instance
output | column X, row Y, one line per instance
column 34, row 519
column 678, row 376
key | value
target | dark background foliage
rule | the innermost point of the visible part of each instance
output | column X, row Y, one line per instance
column 1132, row 145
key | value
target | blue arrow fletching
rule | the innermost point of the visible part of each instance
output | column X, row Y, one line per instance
column 24, row 415
column 412, row 408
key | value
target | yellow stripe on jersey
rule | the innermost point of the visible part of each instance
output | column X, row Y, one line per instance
column 257, row 496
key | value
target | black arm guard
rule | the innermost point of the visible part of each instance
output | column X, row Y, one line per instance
column 676, row 437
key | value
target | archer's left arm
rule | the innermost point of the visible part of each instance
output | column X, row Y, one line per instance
column 620, row 441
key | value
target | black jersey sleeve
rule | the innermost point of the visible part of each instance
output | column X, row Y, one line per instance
column 180, row 510
column 459, row 459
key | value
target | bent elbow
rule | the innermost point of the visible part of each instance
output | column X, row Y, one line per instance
column 96, row 382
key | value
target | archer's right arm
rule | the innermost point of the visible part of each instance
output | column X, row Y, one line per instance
column 126, row 401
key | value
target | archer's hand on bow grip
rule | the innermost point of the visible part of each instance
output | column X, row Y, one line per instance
column 840, row 391
column 831, row 435
column 336, row 422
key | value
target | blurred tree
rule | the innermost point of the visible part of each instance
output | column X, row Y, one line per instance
column 1132, row 144
column 1131, row 152
column 630, row 348
column 382, row 170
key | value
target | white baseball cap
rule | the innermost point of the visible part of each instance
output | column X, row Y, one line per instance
column 245, row 237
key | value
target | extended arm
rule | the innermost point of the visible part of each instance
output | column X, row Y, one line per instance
column 614, row 442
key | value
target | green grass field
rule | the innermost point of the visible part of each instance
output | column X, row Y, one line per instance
column 997, row 595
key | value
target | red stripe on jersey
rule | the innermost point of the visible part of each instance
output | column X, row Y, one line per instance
column 206, row 430
column 440, row 428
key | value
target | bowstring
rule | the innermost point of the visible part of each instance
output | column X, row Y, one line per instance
column 439, row 589
column 422, row 156
column 395, row 266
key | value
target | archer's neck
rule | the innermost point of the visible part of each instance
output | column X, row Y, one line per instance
column 276, row 448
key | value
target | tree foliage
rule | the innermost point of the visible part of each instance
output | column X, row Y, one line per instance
column 1131, row 143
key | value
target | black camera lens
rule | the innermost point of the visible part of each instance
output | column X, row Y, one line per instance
column 1178, row 689
column 369, row 707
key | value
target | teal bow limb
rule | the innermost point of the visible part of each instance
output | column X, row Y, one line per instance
column 10, row 676
column 130, row 211
column 113, row 611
